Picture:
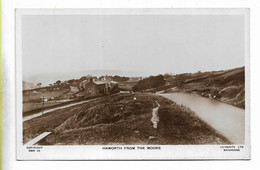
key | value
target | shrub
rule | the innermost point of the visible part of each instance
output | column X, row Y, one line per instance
column 150, row 82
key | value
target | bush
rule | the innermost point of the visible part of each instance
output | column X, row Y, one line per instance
column 150, row 82
column 120, row 79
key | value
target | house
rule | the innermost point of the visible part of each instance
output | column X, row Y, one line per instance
column 93, row 88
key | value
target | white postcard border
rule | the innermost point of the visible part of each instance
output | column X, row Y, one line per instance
column 97, row 152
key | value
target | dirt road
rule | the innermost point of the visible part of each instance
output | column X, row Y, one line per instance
column 226, row 119
column 54, row 109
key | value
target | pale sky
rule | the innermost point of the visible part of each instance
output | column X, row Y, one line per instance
column 133, row 44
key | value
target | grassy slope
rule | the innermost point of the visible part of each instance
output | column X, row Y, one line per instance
column 36, row 97
column 32, row 106
column 118, row 120
column 227, row 86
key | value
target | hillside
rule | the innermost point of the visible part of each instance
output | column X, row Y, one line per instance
column 117, row 119
column 227, row 86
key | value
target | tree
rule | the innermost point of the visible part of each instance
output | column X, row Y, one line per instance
column 83, row 78
column 39, row 85
column 120, row 79
column 58, row 82
column 150, row 82
column 71, row 81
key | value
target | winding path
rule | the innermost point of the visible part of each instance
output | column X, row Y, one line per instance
column 155, row 117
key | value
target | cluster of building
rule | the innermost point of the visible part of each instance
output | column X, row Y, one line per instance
column 93, row 87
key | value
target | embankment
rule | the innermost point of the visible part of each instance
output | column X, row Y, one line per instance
column 119, row 119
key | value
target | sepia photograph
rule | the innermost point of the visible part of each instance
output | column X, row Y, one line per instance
column 121, row 78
